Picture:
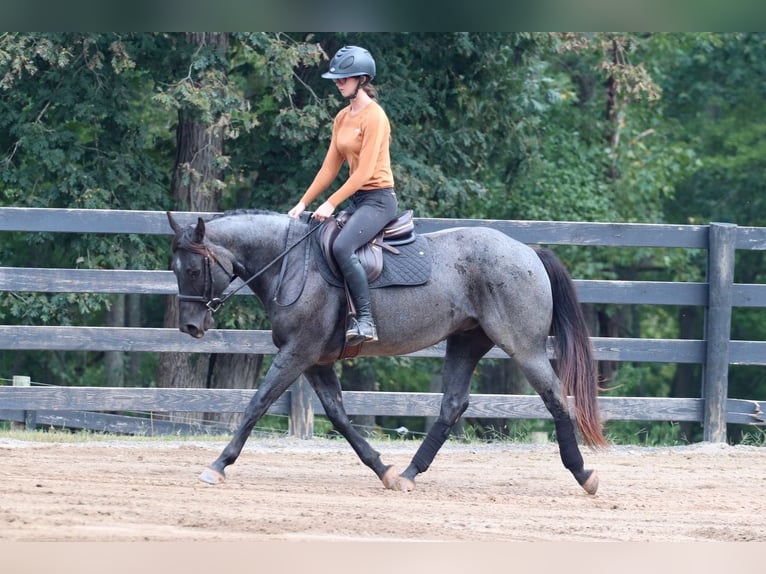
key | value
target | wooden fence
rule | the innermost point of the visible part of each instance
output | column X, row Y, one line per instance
column 718, row 295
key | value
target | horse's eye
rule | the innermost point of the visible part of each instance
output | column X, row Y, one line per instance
column 193, row 273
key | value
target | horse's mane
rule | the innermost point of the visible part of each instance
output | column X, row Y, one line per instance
column 302, row 221
column 233, row 212
column 185, row 239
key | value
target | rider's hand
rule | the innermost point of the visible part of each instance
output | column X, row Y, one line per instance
column 325, row 210
column 296, row 211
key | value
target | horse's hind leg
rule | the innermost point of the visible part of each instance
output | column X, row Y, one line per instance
column 325, row 383
column 463, row 353
column 541, row 376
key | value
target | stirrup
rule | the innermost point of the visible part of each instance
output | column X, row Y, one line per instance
column 361, row 332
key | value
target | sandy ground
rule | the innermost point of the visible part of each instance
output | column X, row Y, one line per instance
column 286, row 489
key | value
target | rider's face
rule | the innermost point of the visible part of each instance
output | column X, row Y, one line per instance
column 346, row 86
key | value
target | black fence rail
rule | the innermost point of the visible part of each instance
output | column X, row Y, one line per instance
column 716, row 352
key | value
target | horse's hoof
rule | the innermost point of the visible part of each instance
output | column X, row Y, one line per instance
column 211, row 476
column 591, row 485
column 390, row 478
column 393, row 481
column 405, row 484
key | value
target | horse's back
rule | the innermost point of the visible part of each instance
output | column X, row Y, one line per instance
column 478, row 253
column 476, row 272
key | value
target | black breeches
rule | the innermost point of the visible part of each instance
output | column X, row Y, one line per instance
column 371, row 211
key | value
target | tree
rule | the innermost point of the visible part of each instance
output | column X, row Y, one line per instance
column 210, row 110
column 76, row 131
column 82, row 127
column 714, row 92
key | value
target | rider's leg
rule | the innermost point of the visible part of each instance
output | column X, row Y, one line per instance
column 370, row 213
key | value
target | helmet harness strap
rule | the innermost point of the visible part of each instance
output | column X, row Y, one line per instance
column 361, row 81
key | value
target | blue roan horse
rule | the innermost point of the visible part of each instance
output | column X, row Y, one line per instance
column 485, row 289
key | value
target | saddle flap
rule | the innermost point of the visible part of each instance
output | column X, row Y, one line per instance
column 370, row 255
column 371, row 258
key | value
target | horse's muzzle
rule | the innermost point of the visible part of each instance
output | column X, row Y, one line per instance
column 192, row 330
column 196, row 325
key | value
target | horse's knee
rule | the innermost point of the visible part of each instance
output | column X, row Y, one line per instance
column 452, row 409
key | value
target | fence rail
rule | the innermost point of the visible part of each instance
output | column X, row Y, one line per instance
column 718, row 295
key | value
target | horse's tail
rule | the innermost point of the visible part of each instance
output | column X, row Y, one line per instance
column 575, row 365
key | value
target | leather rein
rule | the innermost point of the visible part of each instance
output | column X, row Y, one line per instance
column 215, row 303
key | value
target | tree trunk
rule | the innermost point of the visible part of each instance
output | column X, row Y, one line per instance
column 612, row 321
column 133, row 319
column 686, row 380
column 195, row 187
column 611, row 114
column 232, row 371
column 114, row 361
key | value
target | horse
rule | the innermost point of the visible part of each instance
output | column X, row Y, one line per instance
column 485, row 289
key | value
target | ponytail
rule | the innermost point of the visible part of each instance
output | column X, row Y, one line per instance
column 371, row 91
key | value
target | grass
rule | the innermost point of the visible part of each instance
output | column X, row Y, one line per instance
column 617, row 432
column 641, row 433
column 754, row 437
column 54, row 435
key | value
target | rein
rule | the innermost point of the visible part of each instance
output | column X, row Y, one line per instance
column 215, row 303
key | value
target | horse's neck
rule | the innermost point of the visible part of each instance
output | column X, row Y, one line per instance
column 254, row 240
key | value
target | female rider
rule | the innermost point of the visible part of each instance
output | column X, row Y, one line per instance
column 360, row 136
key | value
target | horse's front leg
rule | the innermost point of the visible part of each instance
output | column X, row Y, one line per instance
column 279, row 377
column 325, row 383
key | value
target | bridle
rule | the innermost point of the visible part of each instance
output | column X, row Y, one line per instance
column 207, row 298
column 215, row 303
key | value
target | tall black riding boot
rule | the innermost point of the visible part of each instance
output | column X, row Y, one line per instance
column 362, row 328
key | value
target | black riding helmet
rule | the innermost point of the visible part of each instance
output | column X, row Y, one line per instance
column 350, row 61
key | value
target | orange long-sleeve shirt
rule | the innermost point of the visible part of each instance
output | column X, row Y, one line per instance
column 361, row 140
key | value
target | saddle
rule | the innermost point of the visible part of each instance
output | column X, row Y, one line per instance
column 397, row 232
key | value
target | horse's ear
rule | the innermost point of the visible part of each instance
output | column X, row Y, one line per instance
column 199, row 231
column 173, row 222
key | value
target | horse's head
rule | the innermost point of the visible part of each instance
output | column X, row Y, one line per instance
column 203, row 271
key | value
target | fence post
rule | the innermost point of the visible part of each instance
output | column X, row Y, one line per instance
column 715, row 380
column 30, row 417
column 301, row 409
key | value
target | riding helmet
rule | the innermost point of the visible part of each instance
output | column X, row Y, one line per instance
column 350, row 61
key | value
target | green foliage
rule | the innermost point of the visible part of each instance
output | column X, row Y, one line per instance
column 461, row 107
column 641, row 380
column 76, row 125
column 718, row 102
column 644, row 433
column 69, row 123
column 753, row 436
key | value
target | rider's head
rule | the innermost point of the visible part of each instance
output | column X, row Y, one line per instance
column 352, row 62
